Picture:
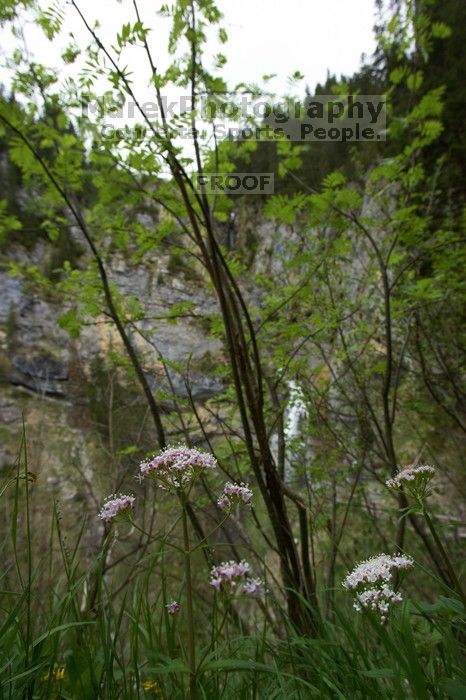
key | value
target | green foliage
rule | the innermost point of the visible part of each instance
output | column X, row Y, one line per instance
column 8, row 223
column 355, row 299
column 127, row 643
column 50, row 20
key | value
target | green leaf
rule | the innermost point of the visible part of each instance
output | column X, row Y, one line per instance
column 440, row 30
column 234, row 665
column 380, row 673
column 455, row 689
column 71, row 323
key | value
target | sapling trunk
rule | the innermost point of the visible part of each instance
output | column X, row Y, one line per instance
column 189, row 600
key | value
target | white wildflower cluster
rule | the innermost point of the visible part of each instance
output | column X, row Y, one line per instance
column 116, row 506
column 372, row 582
column 234, row 493
column 410, row 474
column 377, row 599
column 177, row 466
column 232, row 577
column 415, row 479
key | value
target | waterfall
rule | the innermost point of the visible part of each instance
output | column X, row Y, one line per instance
column 295, row 418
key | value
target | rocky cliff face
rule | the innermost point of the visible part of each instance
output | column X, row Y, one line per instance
column 65, row 389
column 37, row 356
column 78, row 406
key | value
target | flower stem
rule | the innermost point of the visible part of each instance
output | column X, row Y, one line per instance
column 445, row 557
column 189, row 600
column 161, row 537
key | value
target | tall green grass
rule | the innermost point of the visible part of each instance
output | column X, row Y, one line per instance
column 55, row 643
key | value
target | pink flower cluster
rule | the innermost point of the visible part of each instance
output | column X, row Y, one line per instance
column 234, row 493
column 372, row 582
column 232, row 577
column 172, row 607
column 411, row 474
column 177, row 466
column 116, row 506
column 253, row 587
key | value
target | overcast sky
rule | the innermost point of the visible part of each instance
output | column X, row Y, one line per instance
column 265, row 36
column 281, row 36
